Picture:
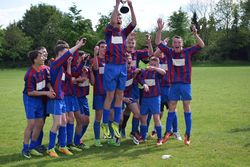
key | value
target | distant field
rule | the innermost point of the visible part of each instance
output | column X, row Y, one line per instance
column 220, row 136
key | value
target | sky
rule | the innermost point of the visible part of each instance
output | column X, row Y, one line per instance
column 147, row 11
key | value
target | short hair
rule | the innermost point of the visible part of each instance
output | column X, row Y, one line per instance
column 40, row 48
column 33, row 55
column 62, row 42
column 178, row 37
column 60, row 47
column 153, row 58
column 101, row 42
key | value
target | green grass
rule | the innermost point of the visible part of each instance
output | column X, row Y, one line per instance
column 220, row 136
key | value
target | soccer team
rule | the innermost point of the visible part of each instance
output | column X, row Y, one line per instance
column 120, row 86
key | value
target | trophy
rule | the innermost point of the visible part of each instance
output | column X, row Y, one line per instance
column 124, row 9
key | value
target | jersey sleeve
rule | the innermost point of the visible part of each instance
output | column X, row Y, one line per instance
column 128, row 29
column 31, row 83
column 61, row 60
column 193, row 50
column 142, row 54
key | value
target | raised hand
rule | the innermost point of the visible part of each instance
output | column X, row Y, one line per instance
column 160, row 24
column 194, row 30
column 96, row 50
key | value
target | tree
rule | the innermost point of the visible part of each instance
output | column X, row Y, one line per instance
column 179, row 25
column 1, row 43
column 35, row 19
column 16, row 43
column 102, row 24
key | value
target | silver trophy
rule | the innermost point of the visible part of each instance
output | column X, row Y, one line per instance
column 124, row 9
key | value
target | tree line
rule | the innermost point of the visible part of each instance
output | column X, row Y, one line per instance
column 224, row 26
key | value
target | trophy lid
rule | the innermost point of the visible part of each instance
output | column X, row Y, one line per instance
column 124, row 9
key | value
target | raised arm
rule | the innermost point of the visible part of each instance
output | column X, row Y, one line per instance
column 77, row 46
column 149, row 45
column 115, row 13
column 197, row 37
column 160, row 25
column 95, row 59
column 134, row 22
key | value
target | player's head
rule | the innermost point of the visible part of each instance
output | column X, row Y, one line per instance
column 44, row 51
column 36, row 57
column 154, row 61
column 177, row 43
column 129, row 59
column 60, row 49
column 131, row 43
column 102, row 47
column 62, row 42
column 118, row 22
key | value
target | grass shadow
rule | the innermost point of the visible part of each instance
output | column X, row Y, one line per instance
column 240, row 130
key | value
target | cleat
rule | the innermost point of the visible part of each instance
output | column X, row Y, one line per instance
column 153, row 134
column 82, row 146
column 187, row 140
column 106, row 132
column 26, row 154
column 134, row 139
column 159, row 142
column 65, row 150
column 177, row 136
column 114, row 142
column 35, row 152
column 123, row 133
column 41, row 149
column 85, row 146
column 98, row 143
column 52, row 153
column 115, row 127
column 73, row 148
column 166, row 137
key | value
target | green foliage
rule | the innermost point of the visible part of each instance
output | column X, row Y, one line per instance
column 16, row 43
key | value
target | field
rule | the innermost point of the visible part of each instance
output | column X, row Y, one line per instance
column 220, row 136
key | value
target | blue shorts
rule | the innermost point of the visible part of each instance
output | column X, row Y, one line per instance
column 135, row 91
column 84, row 106
column 165, row 94
column 71, row 103
column 115, row 77
column 98, row 102
column 56, row 106
column 150, row 105
column 180, row 91
column 34, row 107
column 132, row 101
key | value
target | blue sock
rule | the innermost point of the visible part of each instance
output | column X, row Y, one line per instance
column 175, row 123
column 52, row 140
column 144, row 130
column 111, row 129
column 70, row 132
column 158, row 131
column 188, row 121
column 105, row 118
column 25, row 147
column 33, row 144
column 117, row 114
column 40, row 138
column 135, row 124
column 84, row 128
column 62, row 136
column 170, row 119
column 97, row 130
column 149, row 119
column 77, row 139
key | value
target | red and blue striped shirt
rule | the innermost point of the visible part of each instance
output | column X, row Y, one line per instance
column 138, row 55
column 58, row 75
column 181, row 66
column 129, row 83
column 116, row 44
column 82, row 88
column 164, row 64
column 152, row 79
column 98, row 86
column 36, row 80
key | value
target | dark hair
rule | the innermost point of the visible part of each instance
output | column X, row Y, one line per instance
column 60, row 47
column 178, row 37
column 33, row 55
column 62, row 42
column 40, row 48
column 101, row 42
